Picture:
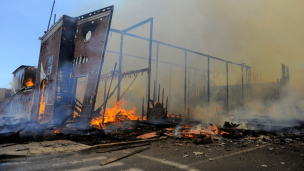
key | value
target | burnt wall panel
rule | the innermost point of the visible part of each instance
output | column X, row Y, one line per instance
column 91, row 37
column 65, row 69
column 49, row 47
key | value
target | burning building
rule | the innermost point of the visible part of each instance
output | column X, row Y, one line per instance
column 70, row 59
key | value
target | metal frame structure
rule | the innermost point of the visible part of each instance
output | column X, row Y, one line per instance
column 150, row 20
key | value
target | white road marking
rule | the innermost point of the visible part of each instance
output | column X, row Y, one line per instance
column 133, row 169
column 180, row 166
column 79, row 161
column 98, row 167
column 219, row 157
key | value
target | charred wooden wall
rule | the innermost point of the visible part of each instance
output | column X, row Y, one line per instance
column 89, row 51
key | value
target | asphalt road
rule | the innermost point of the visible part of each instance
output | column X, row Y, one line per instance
column 166, row 155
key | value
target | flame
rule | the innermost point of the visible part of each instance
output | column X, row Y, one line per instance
column 42, row 101
column 57, row 131
column 29, row 82
column 185, row 126
column 232, row 117
column 75, row 114
column 115, row 114
column 218, row 108
column 223, row 132
column 214, row 129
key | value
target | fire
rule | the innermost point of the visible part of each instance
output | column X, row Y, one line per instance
column 218, row 108
column 232, row 117
column 185, row 126
column 223, row 132
column 214, row 129
column 57, row 131
column 42, row 101
column 29, row 82
column 75, row 113
column 115, row 114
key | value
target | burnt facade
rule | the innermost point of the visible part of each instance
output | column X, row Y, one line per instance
column 70, row 60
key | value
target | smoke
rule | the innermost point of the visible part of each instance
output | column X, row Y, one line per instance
column 262, row 34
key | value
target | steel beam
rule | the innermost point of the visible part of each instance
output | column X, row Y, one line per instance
column 208, row 84
column 227, row 88
column 157, row 65
column 150, row 58
column 137, row 25
column 242, row 86
column 185, row 91
column 170, row 88
column 158, row 61
column 120, row 65
column 184, row 49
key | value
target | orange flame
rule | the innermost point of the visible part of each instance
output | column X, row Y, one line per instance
column 115, row 114
column 75, row 114
column 223, row 132
column 42, row 101
column 214, row 129
column 218, row 108
column 57, row 131
column 29, row 82
column 185, row 126
column 232, row 117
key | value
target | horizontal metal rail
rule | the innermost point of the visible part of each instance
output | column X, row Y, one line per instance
column 159, row 42
column 158, row 60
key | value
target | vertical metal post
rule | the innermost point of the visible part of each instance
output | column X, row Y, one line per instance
column 142, row 110
column 278, row 89
column 188, row 86
column 51, row 16
column 170, row 88
column 242, row 85
column 227, row 88
column 163, row 96
column 149, row 72
column 157, row 65
column 154, row 93
column 208, row 85
column 158, row 93
column 257, row 77
column 167, row 106
column 120, row 65
column 185, row 98
column 105, row 90
column 260, row 77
